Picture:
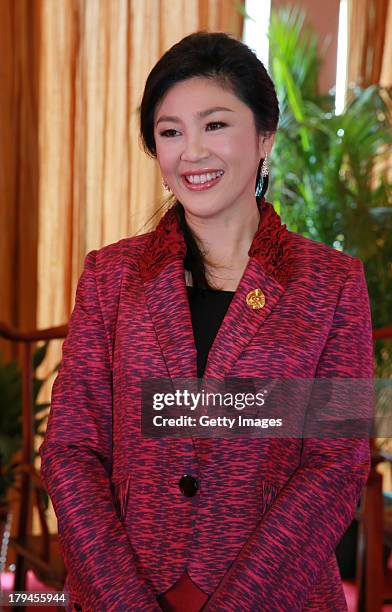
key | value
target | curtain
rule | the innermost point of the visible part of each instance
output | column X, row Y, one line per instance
column 370, row 53
column 370, row 42
column 96, row 185
column 386, row 66
column 19, row 35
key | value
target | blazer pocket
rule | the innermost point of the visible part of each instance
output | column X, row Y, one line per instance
column 121, row 497
column 269, row 492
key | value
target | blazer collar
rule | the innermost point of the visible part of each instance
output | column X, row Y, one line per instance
column 167, row 244
column 162, row 273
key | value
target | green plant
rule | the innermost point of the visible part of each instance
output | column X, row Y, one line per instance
column 11, row 414
column 326, row 181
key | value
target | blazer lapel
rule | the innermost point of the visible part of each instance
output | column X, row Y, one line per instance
column 167, row 301
column 162, row 271
column 242, row 321
column 268, row 269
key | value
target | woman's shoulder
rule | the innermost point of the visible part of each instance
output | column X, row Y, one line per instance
column 105, row 267
column 318, row 255
column 125, row 249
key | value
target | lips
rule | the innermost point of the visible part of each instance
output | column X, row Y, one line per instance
column 200, row 180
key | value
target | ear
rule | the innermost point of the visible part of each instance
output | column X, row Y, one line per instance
column 265, row 144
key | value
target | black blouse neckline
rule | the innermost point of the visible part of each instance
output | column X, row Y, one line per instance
column 209, row 291
column 208, row 308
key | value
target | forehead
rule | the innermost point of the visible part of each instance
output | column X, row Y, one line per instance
column 194, row 95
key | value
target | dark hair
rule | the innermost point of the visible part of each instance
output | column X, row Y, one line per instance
column 220, row 57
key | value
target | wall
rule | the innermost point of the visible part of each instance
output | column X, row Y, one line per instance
column 323, row 16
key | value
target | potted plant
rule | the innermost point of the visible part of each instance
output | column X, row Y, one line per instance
column 11, row 431
column 326, row 177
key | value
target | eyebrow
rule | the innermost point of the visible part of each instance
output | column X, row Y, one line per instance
column 200, row 114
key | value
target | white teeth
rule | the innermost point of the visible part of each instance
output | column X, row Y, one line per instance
column 196, row 179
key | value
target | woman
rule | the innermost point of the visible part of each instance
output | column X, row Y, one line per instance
column 220, row 288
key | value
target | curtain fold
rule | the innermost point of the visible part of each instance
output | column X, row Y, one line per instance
column 386, row 66
column 370, row 51
column 19, row 56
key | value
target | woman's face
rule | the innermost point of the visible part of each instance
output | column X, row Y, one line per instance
column 207, row 147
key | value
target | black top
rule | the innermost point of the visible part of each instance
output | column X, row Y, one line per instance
column 208, row 308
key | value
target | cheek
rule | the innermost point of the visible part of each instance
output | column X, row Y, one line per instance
column 232, row 149
column 247, row 142
column 166, row 158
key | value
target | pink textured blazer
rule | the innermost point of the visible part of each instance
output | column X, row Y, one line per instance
column 261, row 531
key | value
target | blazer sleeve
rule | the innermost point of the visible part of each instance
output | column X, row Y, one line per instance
column 277, row 567
column 76, row 463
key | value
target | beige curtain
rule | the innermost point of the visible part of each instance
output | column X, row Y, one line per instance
column 370, row 55
column 386, row 66
column 96, row 185
column 19, row 35
column 370, row 42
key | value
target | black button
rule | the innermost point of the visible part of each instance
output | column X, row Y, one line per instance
column 77, row 606
column 188, row 485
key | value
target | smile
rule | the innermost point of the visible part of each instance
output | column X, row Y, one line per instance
column 198, row 182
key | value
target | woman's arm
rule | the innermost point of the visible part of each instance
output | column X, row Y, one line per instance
column 76, row 463
column 278, row 566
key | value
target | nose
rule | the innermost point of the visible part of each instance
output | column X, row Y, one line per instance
column 194, row 149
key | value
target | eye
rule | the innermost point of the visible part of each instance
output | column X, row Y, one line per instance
column 215, row 125
column 168, row 133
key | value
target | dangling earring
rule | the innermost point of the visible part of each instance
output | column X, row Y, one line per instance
column 264, row 167
column 262, row 178
column 165, row 185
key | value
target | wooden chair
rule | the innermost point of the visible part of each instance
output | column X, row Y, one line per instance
column 373, row 578
column 40, row 553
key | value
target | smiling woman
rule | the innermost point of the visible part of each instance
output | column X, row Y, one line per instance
column 219, row 290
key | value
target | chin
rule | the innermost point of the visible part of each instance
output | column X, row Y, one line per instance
column 201, row 203
column 203, row 210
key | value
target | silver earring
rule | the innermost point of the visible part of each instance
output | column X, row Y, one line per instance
column 165, row 185
column 264, row 167
column 262, row 178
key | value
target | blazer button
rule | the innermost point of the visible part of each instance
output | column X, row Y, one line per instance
column 188, row 485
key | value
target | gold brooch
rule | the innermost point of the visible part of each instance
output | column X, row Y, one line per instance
column 255, row 299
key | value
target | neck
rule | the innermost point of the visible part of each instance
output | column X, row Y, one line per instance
column 225, row 241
